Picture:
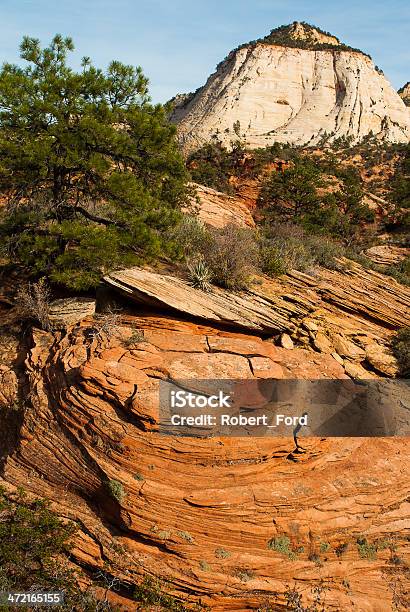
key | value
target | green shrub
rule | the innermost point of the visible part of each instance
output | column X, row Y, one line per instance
column 244, row 574
column 401, row 350
column 32, row 538
column 116, row 490
column 199, row 275
column 286, row 246
column 151, row 593
column 232, row 256
column 191, row 235
column 400, row 271
column 136, row 337
column 185, row 535
column 205, row 567
column 366, row 549
column 324, row 547
column 282, row 545
column 222, row 553
column 341, row 549
column 228, row 256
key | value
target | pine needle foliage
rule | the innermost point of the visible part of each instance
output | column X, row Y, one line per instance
column 90, row 166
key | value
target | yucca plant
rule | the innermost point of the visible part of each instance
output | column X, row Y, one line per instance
column 199, row 275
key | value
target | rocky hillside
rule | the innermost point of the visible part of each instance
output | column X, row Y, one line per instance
column 296, row 85
column 230, row 523
column 404, row 93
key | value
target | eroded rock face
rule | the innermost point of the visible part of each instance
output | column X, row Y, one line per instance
column 350, row 315
column 219, row 209
column 203, row 513
column 404, row 93
column 68, row 311
column 386, row 255
column 280, row 94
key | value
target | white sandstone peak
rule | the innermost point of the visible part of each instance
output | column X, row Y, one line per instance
column 298, row 85
column 301, row 31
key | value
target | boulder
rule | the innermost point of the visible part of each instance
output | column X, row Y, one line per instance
column 322, row 343
column 347, row 348
column 381, row 359
column 69, row 311
column 286, row 341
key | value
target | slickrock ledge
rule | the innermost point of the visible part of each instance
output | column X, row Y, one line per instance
column 350, row 314
column 251, row 312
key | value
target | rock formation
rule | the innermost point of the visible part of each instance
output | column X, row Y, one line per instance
column 218, row 209
column 350, row 315
column 230, row 522
column 297, row 85
column 404, row 93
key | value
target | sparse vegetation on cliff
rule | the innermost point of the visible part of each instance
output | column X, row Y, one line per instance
column 313, row 39
column 401, row 350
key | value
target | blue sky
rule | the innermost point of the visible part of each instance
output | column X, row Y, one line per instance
column 179, row 42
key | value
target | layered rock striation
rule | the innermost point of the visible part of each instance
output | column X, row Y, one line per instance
column 229, row 522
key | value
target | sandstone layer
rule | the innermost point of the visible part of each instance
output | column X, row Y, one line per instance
column 205, row 513
column 349, row 314
column 269, row 93
column 218, row 209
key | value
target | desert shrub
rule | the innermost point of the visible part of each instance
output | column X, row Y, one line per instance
column 366, row 549
column 152, row 595
column 282, row 545
column 244, row 574
column 232, row 256
column 341, row 549
column 185, row 535
column 191, row 235
column 287, row 246
column 116, row 489
column 32, row 542
column 324, row 547
column 225, row 256
column 34, row 300
column 105, row 324
column 401, row 350
column 294, row 600
column 205, row 567
column 136, row 337
column 325, row 251
column 222, row 553
column 199, row 274
column 400, row 271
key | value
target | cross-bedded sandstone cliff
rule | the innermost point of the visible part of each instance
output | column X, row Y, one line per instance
column 270, row 92
column 232, row 522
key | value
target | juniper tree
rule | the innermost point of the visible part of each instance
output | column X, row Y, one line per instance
column 90, row 166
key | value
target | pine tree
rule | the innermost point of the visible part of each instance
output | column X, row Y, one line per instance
column 90, row 166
